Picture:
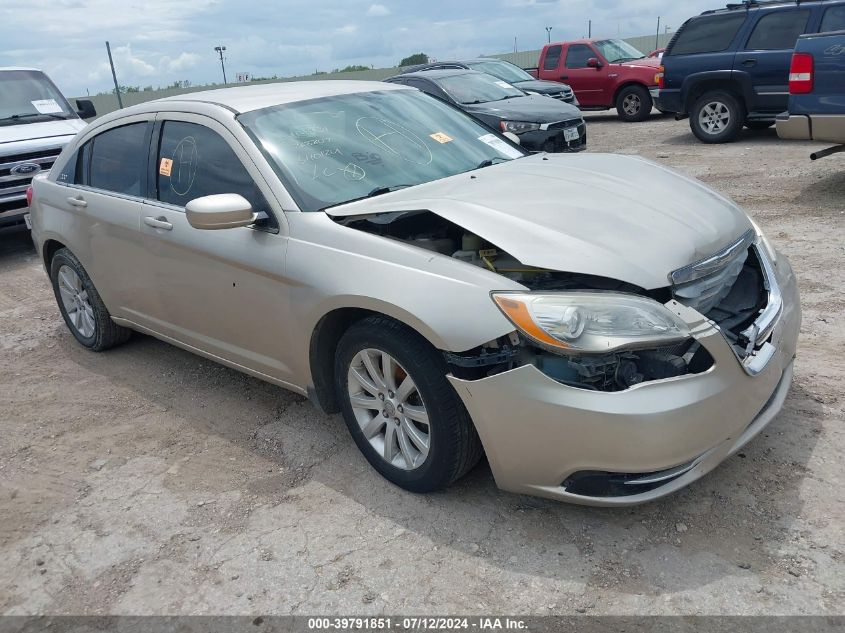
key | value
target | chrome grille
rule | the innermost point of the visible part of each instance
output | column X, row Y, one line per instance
column 13, row 185
column 705, row 284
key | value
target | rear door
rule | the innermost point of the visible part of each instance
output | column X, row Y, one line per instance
column 549, row 69
column 590, row 84
column 767, row 55
column 222, row 292
column 103, row 188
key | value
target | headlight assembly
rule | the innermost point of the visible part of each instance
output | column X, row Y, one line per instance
column 517, row 127
column 591, row 322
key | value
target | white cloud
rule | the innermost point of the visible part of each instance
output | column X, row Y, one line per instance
column 183, row 62
column 378, row 11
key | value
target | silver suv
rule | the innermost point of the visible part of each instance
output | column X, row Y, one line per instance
column 36, row 122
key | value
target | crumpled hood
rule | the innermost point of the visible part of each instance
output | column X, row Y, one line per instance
column 42, row 130
column 531, row 109
column 621, row 217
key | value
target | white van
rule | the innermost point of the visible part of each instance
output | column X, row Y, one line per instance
column 36, row 122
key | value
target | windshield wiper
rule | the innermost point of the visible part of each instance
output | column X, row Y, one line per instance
column 489, row 162
column 28, row 115
column 378, row 191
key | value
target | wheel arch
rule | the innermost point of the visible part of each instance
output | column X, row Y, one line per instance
column 724, row 81
column 326, row 335
column 625, row 84
column 48, row 250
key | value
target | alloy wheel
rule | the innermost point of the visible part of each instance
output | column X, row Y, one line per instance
column 389, row 409
column 76, row 302
column 631, row 104
column 714, row 117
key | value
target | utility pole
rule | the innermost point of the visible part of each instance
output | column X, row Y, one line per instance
column 549, row 33
column 657, row 39
column 590, row 29
column 114, row 76
column 220, row 50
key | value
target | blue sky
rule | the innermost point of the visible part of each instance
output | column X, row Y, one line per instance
column 156, row 42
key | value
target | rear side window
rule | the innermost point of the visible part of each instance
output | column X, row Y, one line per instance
column 194, row 161
column 710, row 34
column 778, row 31
column 552, row 60
column 117, row 159
column 834, row 19
column 577, row 56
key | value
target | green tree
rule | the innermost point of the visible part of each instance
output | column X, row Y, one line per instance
column 413, row 60
column 352, row 69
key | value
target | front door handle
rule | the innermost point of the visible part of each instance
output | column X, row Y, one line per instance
column 159, row 223
column 78, row 202
column 749, row 63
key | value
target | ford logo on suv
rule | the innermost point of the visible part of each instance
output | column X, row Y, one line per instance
column 25, row 169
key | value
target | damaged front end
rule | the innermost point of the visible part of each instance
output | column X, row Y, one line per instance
column 730, row 290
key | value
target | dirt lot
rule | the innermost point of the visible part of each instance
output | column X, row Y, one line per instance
column 146, row 480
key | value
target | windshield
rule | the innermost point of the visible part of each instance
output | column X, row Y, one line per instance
column 618, row 51
column 338, row 149
column 27, row 96
column 502, row 70
column 471, row 88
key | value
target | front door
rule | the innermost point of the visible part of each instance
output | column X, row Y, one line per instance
column 589, row 83
column 222, row 292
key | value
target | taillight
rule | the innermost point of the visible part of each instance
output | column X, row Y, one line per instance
column 29, row 196
column 801, row 74
column 660, row 77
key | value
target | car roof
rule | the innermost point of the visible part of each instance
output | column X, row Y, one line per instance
column 764, row 4
column 255, row 97
column 2, row 68
column 435, row 74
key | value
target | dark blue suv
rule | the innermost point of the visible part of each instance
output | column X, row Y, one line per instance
column 730, row 67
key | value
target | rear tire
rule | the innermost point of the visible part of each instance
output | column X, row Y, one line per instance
column 381, row 422
column 717, row 117
column 634, row 104
column 83, row 310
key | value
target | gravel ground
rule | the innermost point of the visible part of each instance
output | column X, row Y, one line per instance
column 149, row 481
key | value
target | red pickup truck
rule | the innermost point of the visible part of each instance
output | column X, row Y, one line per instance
column 604, row 74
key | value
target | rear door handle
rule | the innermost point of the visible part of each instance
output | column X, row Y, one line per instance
column 749, row 62
column 158, row 223
column 78, row 202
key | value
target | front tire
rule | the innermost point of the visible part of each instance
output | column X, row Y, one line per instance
column 400, row 409
column 717, row 117
column 84, row 312
column 634, row 104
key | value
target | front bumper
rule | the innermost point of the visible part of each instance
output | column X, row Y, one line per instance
column 538, row 433
column 829, row 128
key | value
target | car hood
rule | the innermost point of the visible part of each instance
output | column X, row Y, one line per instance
column 647, row 62
column 620, row 217
column 41, row 130
column 531, row 109
column 541, row 87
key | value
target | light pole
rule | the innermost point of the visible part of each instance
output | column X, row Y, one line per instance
column 549, row 33
column 220, row 50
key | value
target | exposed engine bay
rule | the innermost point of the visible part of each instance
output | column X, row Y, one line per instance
column 732, row 301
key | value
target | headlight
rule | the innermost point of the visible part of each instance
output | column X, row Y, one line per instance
column 591, row 322
column 519, row 128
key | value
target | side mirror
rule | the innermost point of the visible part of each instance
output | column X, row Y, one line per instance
column 223, row 211
column 85, row 109
column 512, row 137
column 593, row 62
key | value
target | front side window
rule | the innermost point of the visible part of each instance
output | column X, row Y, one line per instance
column 28, row 96
column 709, row 34
column 552, row 60
column 118, row 158
column 778, row 31
column 578, row 55
column 333, row 150
column 194, row 161
column 834, row 19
